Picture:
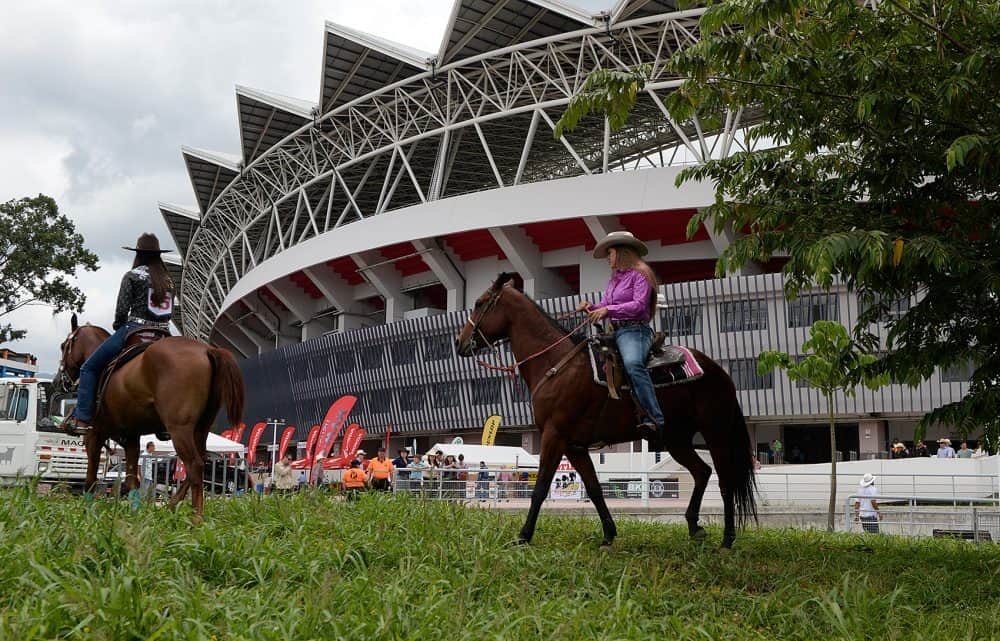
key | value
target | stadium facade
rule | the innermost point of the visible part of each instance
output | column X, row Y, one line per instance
column 338, row 252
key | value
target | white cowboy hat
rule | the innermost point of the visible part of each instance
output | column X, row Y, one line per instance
column 867, row 479
column 616, row 238
column 946, row 441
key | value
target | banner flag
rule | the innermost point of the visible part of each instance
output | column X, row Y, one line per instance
column 333, row 423
column 286, row 438
column 180, row 472
column 238, row 432
column 490, row 428
column 352, row 441
column 255, row 434
column 311, row 442
column 388, row 433
column 227, row 434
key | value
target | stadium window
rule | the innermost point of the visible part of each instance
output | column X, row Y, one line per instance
column 896, row 308
column 518, row 390
column 809, row 308
column 411, row 399
column 344, row 362
column 744, row 374
column 370, row 356
column 446, row 394
column 438, row 347
column 959, row 373
column 320, row 366
column 682, row 320
column 403, row 352
column 486, row 391
column 743, row 315
column 378, row 402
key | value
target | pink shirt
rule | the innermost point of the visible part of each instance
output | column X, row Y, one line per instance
column 627, row 296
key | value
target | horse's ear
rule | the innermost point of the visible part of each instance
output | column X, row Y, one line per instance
column 72, row 322
column 502, row 280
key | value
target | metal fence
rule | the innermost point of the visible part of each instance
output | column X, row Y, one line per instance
column 964, row 517
column 222, row 476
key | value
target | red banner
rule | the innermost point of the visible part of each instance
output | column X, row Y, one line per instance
column 311, row 442
column 388, row 433
column 286, row 438
column 333, row 423
column 255, row 434
column 180, row 472
column 238, row 432
column 352, row 441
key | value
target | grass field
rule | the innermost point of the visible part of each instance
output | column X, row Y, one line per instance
column 307, row 567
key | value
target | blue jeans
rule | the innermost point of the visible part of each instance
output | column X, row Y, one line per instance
column 634, row 342
column 91, row 371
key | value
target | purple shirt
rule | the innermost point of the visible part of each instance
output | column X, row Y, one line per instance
column 627, row 296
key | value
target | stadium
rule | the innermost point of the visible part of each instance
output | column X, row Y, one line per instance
column 339, row 251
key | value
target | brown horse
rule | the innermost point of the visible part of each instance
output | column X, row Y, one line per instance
column 176, row 386
column 573, row 413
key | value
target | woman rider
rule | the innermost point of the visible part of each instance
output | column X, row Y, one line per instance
column 628, row 302
column 145, row 299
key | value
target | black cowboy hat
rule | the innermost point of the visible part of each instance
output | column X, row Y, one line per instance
column 147, row 243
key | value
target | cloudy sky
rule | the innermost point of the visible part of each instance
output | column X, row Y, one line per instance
column 98, row 97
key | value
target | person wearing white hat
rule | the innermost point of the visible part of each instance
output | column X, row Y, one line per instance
column 628, row 302
column 945, row 450
column 866, row 508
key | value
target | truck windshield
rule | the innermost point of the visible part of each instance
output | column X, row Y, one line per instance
column 45, row 422
column 7, row 401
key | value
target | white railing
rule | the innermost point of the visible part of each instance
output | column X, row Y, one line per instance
column 963, row 517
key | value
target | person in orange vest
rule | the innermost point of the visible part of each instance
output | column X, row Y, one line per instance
column 353, row 480
column 380, row 471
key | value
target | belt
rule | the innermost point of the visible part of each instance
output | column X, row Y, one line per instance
column 616, row 325
column 149, row 323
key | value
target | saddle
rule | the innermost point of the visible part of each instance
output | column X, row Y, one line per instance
column 136, row 342
column 667, row 364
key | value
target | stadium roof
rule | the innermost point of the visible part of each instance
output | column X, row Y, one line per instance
column 356, row 63
column 210, row 172
column 266, row 118
column 628, row 9
column 182, row 223
column 479, row 26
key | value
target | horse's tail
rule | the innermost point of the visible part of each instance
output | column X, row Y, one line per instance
column 227, row 384
column 741, row 467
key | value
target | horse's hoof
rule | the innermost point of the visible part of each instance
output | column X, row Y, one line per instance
column 197, row 519
column 698, row 534
column 727, row 545
column 519, row 541
column 605, row 545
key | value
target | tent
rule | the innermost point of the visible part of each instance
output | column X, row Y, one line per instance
column 216, row 445
column 492, row 455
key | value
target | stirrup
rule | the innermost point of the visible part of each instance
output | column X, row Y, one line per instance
column 650, row 430
column 71, row 425
column 163, row 436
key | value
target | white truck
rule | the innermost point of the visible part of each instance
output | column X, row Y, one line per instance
column 31, row 444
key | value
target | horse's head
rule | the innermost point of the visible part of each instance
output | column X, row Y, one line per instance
column 73, row 352
column 489, row 321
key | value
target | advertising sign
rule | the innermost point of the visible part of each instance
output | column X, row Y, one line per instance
column 490, row 428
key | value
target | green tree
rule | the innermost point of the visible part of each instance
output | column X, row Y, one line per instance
column 880, row 167
column 40, row 250
column 830, row 363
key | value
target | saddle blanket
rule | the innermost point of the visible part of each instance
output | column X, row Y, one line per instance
column 683, row 371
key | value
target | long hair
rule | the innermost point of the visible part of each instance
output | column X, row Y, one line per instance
column 158, row 276
column 627, row 258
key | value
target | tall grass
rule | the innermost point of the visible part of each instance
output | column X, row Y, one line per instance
column 308, row 567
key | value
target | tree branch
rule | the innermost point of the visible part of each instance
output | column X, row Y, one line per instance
column 929, row 25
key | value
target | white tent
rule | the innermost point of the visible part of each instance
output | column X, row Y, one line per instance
column 216, row 445
column 492, row 455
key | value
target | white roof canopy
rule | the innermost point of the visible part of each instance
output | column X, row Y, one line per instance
column 492, row 455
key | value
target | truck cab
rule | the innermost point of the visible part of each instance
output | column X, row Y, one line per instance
column 31, row 444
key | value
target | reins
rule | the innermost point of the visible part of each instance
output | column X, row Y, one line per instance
column 512, row 369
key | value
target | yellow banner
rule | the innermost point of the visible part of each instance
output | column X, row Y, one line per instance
column 490, row 428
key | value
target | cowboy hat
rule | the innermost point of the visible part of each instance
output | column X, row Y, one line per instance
column 867, row 479
column 946, row 441
column 147, row 243
column 617, row 238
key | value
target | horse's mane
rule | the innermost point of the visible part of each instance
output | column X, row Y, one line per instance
column 504, row 277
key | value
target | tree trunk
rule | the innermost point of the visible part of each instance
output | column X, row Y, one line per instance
column 833, row 465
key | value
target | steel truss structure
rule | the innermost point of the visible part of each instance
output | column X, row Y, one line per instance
column 477, row 123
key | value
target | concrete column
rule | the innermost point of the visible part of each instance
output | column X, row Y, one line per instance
column 871, row 437
column 445, row 270
column 539, row 282
column 387, row 281
column 723, row 240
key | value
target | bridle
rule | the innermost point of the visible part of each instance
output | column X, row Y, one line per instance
column 512, row 369
column 63, row 381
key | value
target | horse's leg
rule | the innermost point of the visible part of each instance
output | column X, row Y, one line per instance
column 179, row 495
column 93, row 447
column 194, row 464
column 584, row 466
column 132, row 462
column 700, row 470
column 548, row 461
